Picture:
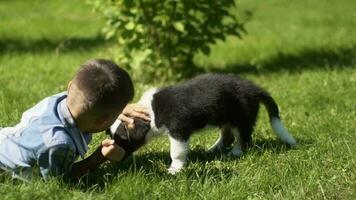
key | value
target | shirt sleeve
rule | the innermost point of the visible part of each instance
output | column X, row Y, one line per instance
column 57, row 161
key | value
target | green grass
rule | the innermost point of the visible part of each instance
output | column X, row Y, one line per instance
column 303, row 52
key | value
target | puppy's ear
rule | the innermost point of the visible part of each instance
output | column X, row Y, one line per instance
column 147, row 125
column 142, row 122
column 141, row 129
column 121, row 132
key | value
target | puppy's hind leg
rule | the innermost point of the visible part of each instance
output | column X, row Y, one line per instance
column 225, row 139
column 179, row 152
column 236, row 150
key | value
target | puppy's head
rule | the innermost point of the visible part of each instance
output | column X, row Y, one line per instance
column 130, row 137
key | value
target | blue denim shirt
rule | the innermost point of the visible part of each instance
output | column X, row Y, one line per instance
column 45, row 142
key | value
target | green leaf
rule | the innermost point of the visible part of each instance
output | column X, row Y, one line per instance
column 130, row 25
column 140, row 28
column 179, row 26
column 110, row 34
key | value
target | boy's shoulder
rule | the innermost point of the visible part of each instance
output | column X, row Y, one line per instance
column 45, row 120
column 56, row 136
column 52, row 120
column 58, row 126
column 46, row 115
column 43, row 106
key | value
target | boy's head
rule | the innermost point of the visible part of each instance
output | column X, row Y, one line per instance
column 97, row 94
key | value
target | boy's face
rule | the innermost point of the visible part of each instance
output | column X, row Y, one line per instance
column 109, row 120
column 103, row 122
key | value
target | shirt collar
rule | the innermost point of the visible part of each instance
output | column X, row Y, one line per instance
column 75, row 133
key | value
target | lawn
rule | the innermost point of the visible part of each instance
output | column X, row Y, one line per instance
column 303, row 52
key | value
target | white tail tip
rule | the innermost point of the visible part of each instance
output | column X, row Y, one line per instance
column 282, row 132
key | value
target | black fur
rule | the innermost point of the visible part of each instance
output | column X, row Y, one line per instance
column 214, row 99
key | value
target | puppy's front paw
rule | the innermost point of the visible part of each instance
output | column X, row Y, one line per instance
column 173, row 170
column 235, row 152
column 176, row 166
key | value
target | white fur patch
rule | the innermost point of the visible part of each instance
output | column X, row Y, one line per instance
column 146, row 100
column 115, row 126
column 236, row 150
column 179, row 152
column 282, row 132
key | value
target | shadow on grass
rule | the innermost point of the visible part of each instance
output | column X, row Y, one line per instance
column 307, row 59
column 47, row 45
column 153, row 165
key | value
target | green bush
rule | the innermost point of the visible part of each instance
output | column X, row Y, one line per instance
column 160, row 37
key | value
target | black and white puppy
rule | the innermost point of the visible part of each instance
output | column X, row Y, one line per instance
column 223, row 100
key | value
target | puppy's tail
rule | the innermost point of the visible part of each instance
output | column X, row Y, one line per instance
column 275, row 120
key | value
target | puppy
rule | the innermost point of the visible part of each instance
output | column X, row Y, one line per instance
column 226, row 101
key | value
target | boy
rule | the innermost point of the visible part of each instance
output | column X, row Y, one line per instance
column 53, row 133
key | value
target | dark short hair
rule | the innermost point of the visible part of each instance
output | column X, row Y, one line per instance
column 104, row 84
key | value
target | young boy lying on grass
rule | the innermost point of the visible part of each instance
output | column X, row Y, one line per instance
column 57, row 130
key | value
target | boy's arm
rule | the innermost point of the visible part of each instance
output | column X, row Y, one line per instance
column 107, row 151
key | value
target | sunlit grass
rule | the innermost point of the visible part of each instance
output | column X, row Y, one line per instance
column 303, row 52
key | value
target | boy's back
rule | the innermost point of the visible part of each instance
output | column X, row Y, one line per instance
column 49, row 139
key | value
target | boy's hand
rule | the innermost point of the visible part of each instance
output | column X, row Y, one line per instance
column 134, row 110
column 112, row 151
